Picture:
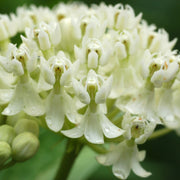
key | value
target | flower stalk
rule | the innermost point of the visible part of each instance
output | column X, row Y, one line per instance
column 160, row 133
column 73, row 149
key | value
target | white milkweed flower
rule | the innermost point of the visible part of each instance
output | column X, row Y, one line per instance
column 94, row 123
column 80, row 67
column 119, row 17
column 123, row 158
column 155, row 41
column 46, row 35
column 29, row 17
column 167, row 71
column 57, row 71
column 70, row 28
column 6, row 24
column 72, row 10
column 167, row 107
column 25, row 89
column 92, row 54
column 137, row 128
column 142, row 103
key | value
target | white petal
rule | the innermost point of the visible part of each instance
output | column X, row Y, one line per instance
column 25, row 98
column 120, row 50
column 80, row 91
column 109, row 129
column 122, row 168
column 15, row 105
column 4, row 63
column 141, row 155
column 5, row 95
column 146, row 61
column 165, row 75
column 109, row 158
column 147, row 132
column 92, row 60
column 6, row 79
column 93, row 132
column 125, row 82
column 33, row 104
column 43, row 85
column 12, row 66
column 66, row 77
column 138, row 170
column 104, row 91
column 47, row 74
column 78, row 54
column 176, row 103
column 44, row 40
column 75, row 132
column 31, row 64
column 56, row 35
column 55, row 112
column 70, row 108
column 16, row 67
column 142, row 103
column 165, row 108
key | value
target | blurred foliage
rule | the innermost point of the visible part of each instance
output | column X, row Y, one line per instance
column 163, row 154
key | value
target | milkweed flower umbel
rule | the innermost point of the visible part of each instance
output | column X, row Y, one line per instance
column 98, row 74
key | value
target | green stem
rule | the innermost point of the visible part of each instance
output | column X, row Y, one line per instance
column 9, row 164
column 48, row 53
column 97, row 148
column 160, row 133
column 113, row 113
column 73, row 148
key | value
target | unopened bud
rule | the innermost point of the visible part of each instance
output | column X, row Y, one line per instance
column 5, row 152
column 7, row 133
column 26, row 125
column 24, row 146
column 12, row 120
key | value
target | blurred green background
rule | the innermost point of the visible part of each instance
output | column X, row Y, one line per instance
column 163, row 154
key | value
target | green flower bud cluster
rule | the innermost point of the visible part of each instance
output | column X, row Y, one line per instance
column 18, row 142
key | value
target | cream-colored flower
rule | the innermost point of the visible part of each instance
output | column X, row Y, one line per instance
column 124, row 158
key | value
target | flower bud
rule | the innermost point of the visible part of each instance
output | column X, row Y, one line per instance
column 7, row 133
column 26, row 125
column 12, row 120
column 5, row 152
column 24, row 146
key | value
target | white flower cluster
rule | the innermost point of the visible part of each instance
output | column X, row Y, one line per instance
column 77, row 68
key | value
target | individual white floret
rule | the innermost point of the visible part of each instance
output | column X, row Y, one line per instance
column 167, row 107
column 155, row 41
column 25, row 96
column 8, row 26
column 47, row 35
column 29, row 17
column 57, row 72
column 137, row 128
column 93, row 123
column 93, row 53
column 70, row 29
column 141, row 103
column 124, row 158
